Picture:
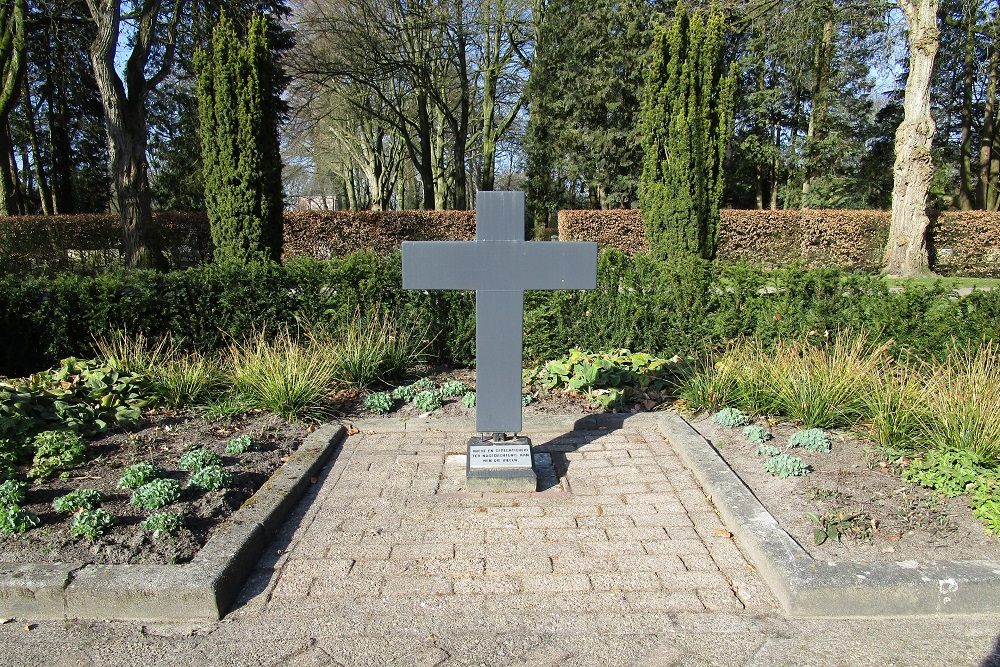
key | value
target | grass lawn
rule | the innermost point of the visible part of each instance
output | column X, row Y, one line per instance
column 950, row 283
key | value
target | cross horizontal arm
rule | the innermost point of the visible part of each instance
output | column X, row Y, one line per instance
column 499, row 265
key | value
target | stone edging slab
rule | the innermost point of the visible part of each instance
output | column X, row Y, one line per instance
column 808, row 587
column 201, row 589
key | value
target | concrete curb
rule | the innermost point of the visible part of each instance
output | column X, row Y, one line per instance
column 201, row 589
column 807, row 587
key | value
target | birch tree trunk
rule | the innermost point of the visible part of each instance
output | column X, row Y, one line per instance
column 906, row 251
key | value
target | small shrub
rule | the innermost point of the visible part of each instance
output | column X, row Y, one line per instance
column 757, row 434
column 156, row 494
column 963, row 402
column 90, row 523
column 950, row 472
column 240, row 445
column 469, row 400
column 811, row 440
column 12, row 492
column 132, row 353
column 453, row 389
column 55, row 451
column 404, row 393
column 281, row 375
column 80, row 499
column 380, row 402
column 767, row 450
column 185, row 380
column 526, row 400
column 162, row 523
column 194, row 460
column 14, row 519
column 138, row 474
column 730, row 417
column 370, row 349
column 427, row 400
column 210, row 478
column 785, row 466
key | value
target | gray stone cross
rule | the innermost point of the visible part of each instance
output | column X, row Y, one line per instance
column 499, row 265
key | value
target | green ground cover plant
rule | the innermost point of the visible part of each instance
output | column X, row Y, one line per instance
column 730, row 417
column 80, row 499
column 90, row 523
column 609, row 378
column 758, row 435
column 56, row 451
column 240, row 445
column 379, row 402
column 162, row 523
column 784, row 465
column 156, row 494
column 138, row 474
column 427, row 400
column 210, row 478
column 811, row 440
column 194, row 460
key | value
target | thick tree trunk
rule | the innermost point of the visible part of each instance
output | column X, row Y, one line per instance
column 125, row 119
column 906, row 251
column 8, row 199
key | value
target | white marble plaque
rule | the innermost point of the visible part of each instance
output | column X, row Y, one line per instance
column 499, row 456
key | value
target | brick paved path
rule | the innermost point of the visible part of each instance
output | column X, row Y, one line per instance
column 629, row 528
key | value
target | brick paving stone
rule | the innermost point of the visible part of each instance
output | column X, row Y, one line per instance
column 631, row 581
column 556, row 583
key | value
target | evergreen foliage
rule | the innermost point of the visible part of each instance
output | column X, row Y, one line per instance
column 687, row 112
column 238, row 111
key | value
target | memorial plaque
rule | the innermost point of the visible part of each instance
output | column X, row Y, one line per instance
column 499, row 455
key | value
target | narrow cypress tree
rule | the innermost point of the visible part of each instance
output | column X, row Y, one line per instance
column 238, row 116
column 687, row 117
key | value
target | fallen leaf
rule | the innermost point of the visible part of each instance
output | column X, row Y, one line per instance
column 29, row 627
column 352, row 431
column 5, row 621
column 722, row 533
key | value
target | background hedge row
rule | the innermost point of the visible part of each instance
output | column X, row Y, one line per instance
column 963, row 243
column 93, row 243
column 688, row 307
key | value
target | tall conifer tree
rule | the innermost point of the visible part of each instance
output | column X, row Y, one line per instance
column 687, row 111
column 238, row 114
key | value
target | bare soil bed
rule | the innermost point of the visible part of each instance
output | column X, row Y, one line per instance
column 160, row 439
column 888, row 519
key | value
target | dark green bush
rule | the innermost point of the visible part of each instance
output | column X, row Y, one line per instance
column 687, row 307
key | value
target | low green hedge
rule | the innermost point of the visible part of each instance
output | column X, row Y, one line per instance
column 681, row 307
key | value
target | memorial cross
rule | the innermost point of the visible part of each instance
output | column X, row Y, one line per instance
column 499, row 265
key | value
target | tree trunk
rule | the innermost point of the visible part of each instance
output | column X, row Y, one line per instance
column 426, row 165
column 125, row 119
column 822, row 57
column 906, row 251
column 988, row 185
column 965, row 202
column 8, row 203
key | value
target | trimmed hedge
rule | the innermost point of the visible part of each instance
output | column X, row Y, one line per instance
column 92, row 243
column 687, row 307
column 963, row 243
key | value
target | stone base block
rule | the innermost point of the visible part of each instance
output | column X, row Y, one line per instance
column 500, row 467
